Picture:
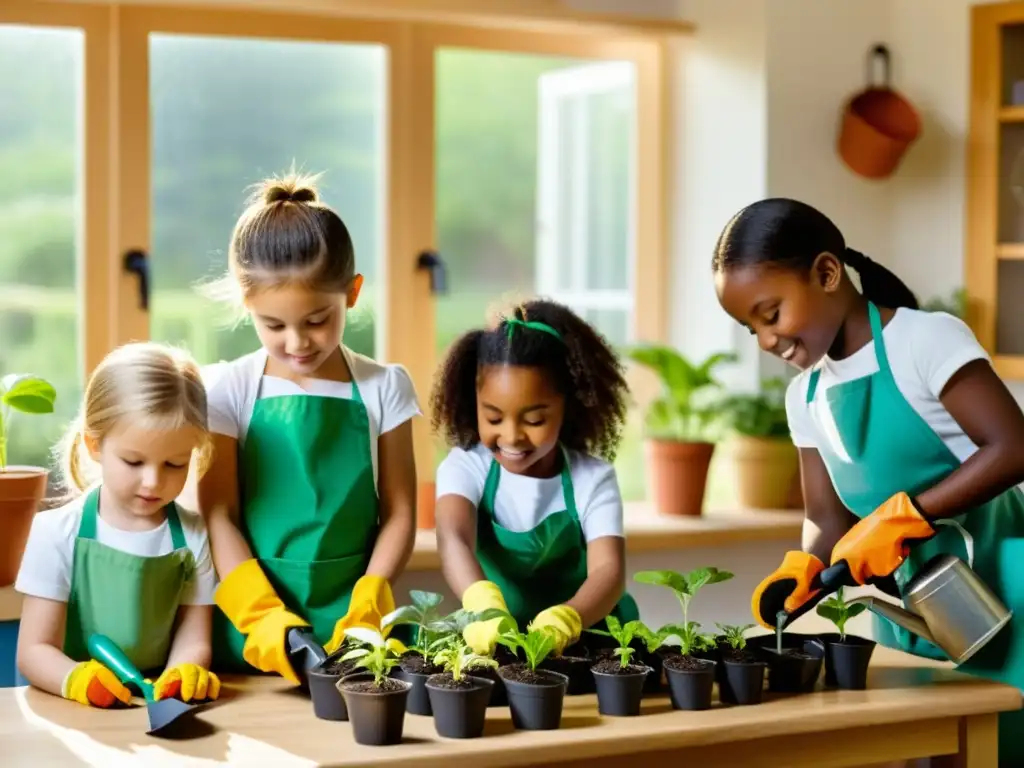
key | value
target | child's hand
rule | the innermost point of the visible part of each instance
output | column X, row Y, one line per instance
column 92, row 684
column 187, row 682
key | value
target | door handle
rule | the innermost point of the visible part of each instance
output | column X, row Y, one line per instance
column 432, row 261
column 136, row 262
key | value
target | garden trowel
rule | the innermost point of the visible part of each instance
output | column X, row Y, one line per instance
column 161, row 713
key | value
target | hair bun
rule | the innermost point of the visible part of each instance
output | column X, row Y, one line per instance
column 290, row 190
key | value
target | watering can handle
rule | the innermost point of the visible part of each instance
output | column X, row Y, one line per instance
column 880, row 51
column 968, row 538
column 835, row 577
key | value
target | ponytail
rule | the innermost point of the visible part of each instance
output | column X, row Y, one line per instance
column 74, row 475
column 878, row 284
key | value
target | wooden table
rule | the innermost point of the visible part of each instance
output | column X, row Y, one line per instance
column 913, row 708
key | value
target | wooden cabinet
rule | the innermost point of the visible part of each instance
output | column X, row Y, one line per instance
column 995, row 185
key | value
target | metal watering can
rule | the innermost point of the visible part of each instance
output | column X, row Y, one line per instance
column 947, row 603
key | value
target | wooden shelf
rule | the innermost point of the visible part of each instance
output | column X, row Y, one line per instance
column 1011, row 114
column 1010, row 251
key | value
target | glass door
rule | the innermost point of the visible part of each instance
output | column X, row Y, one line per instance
column 536, row 167
column 227, row 99
column 53, row 246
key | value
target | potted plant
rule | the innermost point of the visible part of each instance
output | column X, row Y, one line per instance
column 416, row 664
column 654, row 651
column 328, row 703
column 684, row 586
column 690, row 673
column 681, row 427
column 458, row 700
column 794, row 660
column 742, row 679
column 22, row 488
column 575, row 663
column 535, row 695
column 619, row 682
column 846, row 656
column 766, row 461
column 375, row 701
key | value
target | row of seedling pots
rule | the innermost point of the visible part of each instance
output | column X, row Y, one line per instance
column 374, row 681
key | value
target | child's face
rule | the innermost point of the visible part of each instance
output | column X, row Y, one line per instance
column 793, row 314
column 300, row 327
column 519, row 417
column 144, row 469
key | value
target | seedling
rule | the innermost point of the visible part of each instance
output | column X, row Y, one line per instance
column 447, row 630
column 24, row 393
column 422, row 614
column 379, row 658
column 623, row 635
column 685, row 586
column 734, row 634
column 690, row 637
column 652, row 640
column 458, row 659
column 838, row 611
column 537, row 644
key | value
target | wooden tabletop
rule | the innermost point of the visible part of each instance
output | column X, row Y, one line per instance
column 262, row 721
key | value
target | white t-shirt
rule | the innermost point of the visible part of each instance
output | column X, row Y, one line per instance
column 523, row 502
column 46, row 566
column 234, row 387
column 924, row 350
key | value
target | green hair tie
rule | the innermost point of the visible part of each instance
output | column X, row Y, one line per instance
column 514, row 322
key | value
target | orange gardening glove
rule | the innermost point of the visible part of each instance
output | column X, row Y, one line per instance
column 876, row 546
column 788, row 589
column 92, row 684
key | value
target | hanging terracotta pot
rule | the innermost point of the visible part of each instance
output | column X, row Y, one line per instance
column 878, row 124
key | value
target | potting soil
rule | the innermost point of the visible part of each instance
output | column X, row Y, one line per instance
column 520, row 673
column 369, row 686
column 447, row 681
column 741, row 656
column 686, row 663
column 339, row 667
column 416, row 664
column 614, row 667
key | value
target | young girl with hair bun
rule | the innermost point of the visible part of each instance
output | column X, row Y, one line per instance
column 121, row 558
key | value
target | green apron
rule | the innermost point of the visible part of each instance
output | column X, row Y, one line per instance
column 131, row 599
column 309, row 508
column 891, row 448
column 542, row 567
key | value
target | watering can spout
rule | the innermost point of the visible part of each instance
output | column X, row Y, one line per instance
column 908, row 620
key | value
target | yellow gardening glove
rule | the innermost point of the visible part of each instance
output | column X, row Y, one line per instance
column 482, row 636
column 248, row 599
column 562, row 622
column 371, row 600
column 92, row 684
column 187, row 682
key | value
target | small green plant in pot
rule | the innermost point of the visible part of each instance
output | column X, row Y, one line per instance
column 684, row 586
column 691, row 671
column 417, row 665
column 681, row 426
column 619, row 681
column 535, row 695
column 458, row 698
column 742, row 678
column 766, row 461
column 847, row 656
column 372, row 723
column 22, row 488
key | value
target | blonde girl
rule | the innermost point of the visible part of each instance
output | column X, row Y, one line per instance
column 310, row 499
column 121, row 558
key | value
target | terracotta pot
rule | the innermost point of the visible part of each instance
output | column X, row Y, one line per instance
column 21, row 492
column 678, row 475
column 425, row 505
column 878, row 126
column 765, row 469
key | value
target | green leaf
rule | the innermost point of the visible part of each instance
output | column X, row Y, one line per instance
column 855, row 610
column 406, row 614
column 425, row 600
column 830, row 612
column 671, row 579
column 28, row 394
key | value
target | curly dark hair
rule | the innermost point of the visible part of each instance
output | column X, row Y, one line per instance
column 583, row 366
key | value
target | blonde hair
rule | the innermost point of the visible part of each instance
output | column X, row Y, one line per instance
column 156, row 386
column 286, row 235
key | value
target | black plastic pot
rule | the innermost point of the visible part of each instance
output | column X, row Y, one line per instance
column 576, row 669
column 653, row 660
column 847, row 661
column 459, row 713
column 418, row 702
column 619, row 693
column 796, row 669
column 742, row 682
column 328, row 703
column 690, row 688
column 535, row 706
column 377, row 717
